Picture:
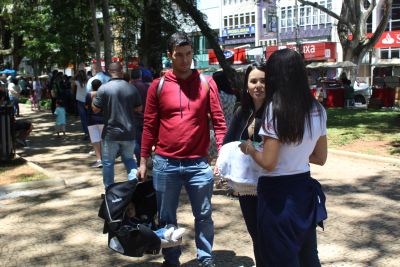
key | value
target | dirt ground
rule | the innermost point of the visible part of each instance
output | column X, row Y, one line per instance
column 378, row 148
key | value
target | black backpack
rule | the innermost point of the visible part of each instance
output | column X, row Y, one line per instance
column 130, row 238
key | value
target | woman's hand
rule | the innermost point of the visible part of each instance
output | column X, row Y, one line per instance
column 247, row 147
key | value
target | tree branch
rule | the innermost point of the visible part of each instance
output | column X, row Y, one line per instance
column 329, row 12
column 382, row 24
column 371, row 7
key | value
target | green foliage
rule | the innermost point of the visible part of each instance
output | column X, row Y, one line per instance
column 45, row 103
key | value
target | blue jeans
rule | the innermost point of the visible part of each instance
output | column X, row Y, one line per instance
column 15, row 102
column 109, row 151
column 83, row 116
column 169, row 175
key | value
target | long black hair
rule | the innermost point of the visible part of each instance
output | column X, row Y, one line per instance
column 246, row 100
column 289, row 93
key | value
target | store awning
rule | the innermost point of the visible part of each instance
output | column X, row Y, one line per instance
column 387, row 62
column 258, row 51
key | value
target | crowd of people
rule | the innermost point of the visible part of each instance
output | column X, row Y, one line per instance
column 264, row 145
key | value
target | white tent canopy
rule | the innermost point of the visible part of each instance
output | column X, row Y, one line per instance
column 344, row 64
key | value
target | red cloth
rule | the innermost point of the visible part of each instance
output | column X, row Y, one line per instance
column 334, row 98
column 177, row 121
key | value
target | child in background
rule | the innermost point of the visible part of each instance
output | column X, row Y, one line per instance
column 33, row 100
column 61, row 117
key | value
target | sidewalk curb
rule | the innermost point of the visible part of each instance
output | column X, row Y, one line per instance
column 363, row 156
column 50, row 182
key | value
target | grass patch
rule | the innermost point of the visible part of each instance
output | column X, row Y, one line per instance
column 346, row 126
column 18, row 171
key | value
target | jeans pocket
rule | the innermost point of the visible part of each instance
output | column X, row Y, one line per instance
column 159, row 164
column 202, row 165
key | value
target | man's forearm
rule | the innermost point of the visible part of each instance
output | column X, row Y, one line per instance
column 143, row 161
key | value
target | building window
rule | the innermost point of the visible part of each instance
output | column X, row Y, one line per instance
column 230, row 22
column 283, row 18
column 289, row 17
column 395, row 53
column 308, row 15
column 384, row 54
column 301, row 18
column 329, row 7
column 247, row 18
column 242, row 20
column 322, row 15
column 315, row 16
column 236, row 20
column 253, row 18
column 225, row 22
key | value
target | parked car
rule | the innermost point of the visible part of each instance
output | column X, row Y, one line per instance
column 362, row 92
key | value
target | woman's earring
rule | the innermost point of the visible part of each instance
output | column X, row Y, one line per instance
column 247, row 91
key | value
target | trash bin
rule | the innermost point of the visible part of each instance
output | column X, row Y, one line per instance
column 7, row 133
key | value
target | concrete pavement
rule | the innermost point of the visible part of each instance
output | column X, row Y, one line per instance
column 59, row 226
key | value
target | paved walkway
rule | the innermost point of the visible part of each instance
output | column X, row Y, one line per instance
column 59, row 226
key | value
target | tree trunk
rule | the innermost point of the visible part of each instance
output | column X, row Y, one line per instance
column 211, row 36
column 107, row 34
column 95, row 31
column 151, row 43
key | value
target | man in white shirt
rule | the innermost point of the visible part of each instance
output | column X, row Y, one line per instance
column 98, row 75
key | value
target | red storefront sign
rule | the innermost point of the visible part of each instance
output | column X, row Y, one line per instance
column 387, row 39
column 235, row 56
column 313, row 51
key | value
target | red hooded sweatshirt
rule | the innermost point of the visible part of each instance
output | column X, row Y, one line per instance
column 176, row 121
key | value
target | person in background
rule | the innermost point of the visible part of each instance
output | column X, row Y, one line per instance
column 136, row 80
column 95, row 123
column 290, row 204
column 79, row 86
column 37, row 89
column 245, row 125
column 13, row 93
column 228, row 101
column 98, row 74
column 118, row 100
column 61, row 117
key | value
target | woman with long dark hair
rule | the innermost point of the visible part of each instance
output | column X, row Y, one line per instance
column 245, row 125
column 290, row 202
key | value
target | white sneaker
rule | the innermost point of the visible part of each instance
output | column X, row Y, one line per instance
column 168, row 233
column 177, row 234
column 92, row 153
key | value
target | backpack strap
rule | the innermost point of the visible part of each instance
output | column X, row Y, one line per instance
column 203, row 80
column 160, row 86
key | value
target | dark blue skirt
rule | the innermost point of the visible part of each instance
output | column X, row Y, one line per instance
column 289, row 209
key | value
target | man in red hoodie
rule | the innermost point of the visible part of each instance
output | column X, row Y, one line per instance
column 176, row 122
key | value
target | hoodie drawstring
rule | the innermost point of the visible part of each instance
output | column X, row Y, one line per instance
column 180, row 101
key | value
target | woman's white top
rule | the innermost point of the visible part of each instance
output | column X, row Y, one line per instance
column 294, row 158
column 80, row 92
column 240, row 170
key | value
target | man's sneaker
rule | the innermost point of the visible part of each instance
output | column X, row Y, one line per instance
column 168, row 264
column 97, row 164
column 92, row 153
column 207, row 263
